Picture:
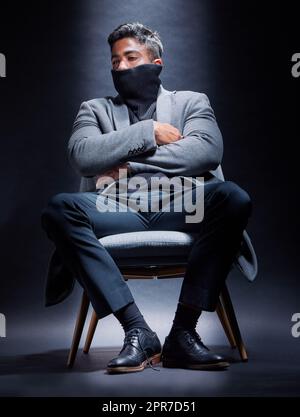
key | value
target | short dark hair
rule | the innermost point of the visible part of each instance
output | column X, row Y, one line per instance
column 142, row 34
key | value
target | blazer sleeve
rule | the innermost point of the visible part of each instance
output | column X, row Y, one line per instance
column 200, row 150
column 91, row 152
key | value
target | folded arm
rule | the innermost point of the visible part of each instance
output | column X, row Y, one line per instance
column 200, row 150
column 92, row 152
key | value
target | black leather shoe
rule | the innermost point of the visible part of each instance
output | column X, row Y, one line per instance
column 141, row 348
column 184, row 349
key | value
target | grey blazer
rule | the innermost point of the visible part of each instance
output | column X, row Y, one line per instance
column 102, row 138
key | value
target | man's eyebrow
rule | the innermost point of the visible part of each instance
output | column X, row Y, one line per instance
column 125, row 53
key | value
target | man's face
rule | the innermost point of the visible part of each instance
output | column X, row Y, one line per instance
column 129, row 53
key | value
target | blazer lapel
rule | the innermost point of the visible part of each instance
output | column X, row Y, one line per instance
column 164, row 109
column 120, row 113
column 165, row 105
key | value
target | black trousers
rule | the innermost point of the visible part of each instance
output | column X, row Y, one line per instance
column 73, row 222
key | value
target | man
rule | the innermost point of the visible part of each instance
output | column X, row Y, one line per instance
column 147, row 131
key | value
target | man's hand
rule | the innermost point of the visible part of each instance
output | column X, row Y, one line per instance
column 112, row 175
column 166, row 133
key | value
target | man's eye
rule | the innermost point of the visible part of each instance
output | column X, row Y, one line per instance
column 132, row 58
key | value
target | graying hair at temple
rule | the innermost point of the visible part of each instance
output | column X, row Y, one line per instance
column 140, row 32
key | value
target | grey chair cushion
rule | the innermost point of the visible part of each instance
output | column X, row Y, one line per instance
column 156, row 243
column 159, row 247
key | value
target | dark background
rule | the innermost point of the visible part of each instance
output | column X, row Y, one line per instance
column 239, row 54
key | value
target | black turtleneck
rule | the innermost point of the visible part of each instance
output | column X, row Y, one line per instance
column 138, row 87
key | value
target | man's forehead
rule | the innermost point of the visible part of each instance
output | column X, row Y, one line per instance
column 125, row 46
column 126, row 51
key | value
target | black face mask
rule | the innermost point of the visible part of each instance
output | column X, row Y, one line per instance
column 139, row 85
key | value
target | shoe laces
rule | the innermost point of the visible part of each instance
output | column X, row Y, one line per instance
column 147, row 358
column 130, row 338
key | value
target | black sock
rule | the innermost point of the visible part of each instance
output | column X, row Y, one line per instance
column 130, row 317
column 185, row 318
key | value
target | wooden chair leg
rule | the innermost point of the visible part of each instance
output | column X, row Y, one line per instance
column 91, row 332
column 226, row 301
column 85, row 302
column 225, row 323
